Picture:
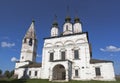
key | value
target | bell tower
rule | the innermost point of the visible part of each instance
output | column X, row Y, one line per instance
column 29, row 45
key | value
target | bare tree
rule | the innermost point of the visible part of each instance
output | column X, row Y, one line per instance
column 0, row 72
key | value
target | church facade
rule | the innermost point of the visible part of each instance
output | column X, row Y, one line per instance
column 66, row 56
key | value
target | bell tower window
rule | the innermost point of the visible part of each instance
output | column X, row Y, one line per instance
column 30, row 42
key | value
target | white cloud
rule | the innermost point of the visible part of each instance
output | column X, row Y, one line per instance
column 7, row 44
column 110, row 49
column 13, row 59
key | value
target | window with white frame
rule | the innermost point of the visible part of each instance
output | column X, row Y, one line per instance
column 62, row 55
column 76, row 73
column 29, row 73
column 76, row 54
column 97, row 71
column 51, row 56
column 36, row 73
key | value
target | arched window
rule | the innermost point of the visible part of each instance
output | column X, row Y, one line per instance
column 30, row 42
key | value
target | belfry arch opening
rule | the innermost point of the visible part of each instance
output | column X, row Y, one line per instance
column 59, row 72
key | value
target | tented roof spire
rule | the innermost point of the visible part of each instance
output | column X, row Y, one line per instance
column 68, row 18
column 31, row 31
column 55, row 23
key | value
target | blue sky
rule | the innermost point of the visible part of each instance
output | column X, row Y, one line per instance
column 101, row 18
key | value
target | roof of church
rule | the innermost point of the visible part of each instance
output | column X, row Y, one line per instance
column 68, row 35
column 31, row 31
column 31, row 65
column 61, row 60
column 92, row 61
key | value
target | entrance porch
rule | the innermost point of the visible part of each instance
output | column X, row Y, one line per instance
column 60, row 71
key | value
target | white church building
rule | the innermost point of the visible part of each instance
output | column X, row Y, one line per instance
column 65, row 56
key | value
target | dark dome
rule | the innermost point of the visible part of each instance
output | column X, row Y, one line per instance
column 67, row 19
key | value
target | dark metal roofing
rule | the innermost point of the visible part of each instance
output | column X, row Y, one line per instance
column 32, row 65
column 93, row 61
column 69, row 35
column 60, row 60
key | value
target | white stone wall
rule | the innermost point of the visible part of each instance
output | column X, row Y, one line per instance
column 33, row 72
column 20, row 72
column 67, row 28
column 77, row 28
column 67, row 44
column 107, row 71
column 54, row 31
column 28, row 52
column 19, row 64
column 86, row 71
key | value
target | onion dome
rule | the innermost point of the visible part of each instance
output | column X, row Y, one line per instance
column 67, row 19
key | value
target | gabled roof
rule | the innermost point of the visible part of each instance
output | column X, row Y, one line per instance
column 32, row 65
column 93, row 61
